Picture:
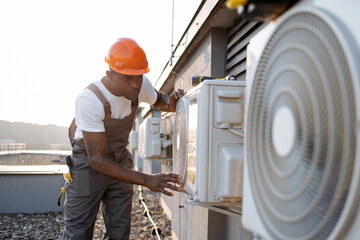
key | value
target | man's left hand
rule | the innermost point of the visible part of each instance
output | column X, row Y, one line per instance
column 174, row 98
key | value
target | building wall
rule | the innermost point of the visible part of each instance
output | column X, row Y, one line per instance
column 199, row 63
column 222, row 226
column 188, row 221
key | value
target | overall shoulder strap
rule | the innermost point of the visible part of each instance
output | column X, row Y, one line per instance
column 101, row 97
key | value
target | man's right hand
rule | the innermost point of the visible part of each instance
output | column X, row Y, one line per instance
column 158, row 182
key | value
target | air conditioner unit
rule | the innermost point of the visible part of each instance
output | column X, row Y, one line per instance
column 152, row 142
column 133, row 139
column 302, row 163
column 208, row 142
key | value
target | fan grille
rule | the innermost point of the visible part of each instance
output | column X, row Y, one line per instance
column 304, row 69
column 180, row 146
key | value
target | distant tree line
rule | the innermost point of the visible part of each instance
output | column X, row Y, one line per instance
column 37, row 137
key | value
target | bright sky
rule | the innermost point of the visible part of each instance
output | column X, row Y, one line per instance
column 50, row 50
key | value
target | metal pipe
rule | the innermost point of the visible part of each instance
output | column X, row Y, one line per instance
column 172, row 32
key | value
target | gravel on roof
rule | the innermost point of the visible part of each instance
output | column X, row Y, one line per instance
column 51, row 225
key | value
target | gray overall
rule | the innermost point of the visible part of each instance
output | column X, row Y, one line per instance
column 89, row 188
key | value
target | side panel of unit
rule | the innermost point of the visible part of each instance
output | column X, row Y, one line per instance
column 226, row 148
column 191, row 103
column 203, row 140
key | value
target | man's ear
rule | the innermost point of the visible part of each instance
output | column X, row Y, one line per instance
column 108, row 74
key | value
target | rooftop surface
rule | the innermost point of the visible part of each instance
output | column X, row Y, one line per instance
column 50, row 225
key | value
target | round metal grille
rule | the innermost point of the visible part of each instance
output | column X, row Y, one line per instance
column 302, row 94
column 180, row 146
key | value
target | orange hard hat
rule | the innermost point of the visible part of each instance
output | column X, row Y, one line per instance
column 127, row 57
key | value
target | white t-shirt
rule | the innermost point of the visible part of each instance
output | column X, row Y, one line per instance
column 89, row 111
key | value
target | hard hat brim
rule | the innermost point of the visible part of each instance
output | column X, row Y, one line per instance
column 132, row 71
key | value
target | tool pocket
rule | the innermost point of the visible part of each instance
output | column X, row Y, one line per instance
column 82, row 182
column 80, row 173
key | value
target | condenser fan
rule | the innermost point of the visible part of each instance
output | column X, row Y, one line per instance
column 180, row 142
column 300, row 135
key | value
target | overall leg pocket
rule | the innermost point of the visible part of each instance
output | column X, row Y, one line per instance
column 82, row 183
column 80, row 173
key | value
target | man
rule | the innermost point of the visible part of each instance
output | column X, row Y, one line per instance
column 102, row 165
